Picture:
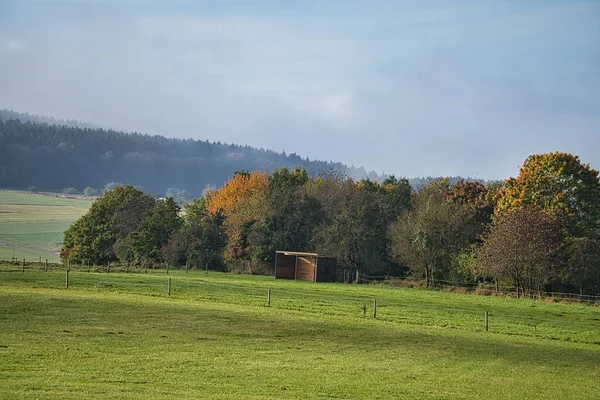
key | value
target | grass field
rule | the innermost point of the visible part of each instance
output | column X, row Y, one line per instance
column 120, row 336
column 32, row 225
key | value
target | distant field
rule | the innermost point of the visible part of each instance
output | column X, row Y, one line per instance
column 120, row 336
column 32, row 225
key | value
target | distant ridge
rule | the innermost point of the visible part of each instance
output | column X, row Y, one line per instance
column 6, row 115
column 52, row 154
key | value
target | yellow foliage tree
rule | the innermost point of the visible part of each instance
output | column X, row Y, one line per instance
column 556, row 183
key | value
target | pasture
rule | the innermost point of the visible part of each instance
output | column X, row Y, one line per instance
column 32, row 225
column 121, row 335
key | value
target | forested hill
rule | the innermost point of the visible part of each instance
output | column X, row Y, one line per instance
column 6, row 115
column 54, row 156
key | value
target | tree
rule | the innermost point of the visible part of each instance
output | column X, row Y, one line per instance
column 112, row 217
column 90, row 191
column 70, row 190
column 156, row 229
column 556, row 183
column 198, row 243
column 429, row 237
column 584, row 263
column 241, row 203
column 288, row 218
column 354, row 234
column 480, row 198
column 521, row 246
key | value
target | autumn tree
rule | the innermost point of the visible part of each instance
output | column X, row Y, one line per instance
column 521, row 247
column 476, row 196
column 241, row 202
column 556, row 183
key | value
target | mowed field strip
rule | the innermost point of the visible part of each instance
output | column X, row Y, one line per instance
column 120, row 335
column 32, row 225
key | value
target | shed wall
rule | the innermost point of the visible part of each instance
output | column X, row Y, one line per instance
column 305, row 269
column 285, row 267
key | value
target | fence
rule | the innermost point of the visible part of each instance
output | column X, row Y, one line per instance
column 21, row 265
column 479, row 288
column 374, row 302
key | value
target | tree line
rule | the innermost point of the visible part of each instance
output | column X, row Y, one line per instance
column 45, row 154
column 73, row 157
column 537, row 231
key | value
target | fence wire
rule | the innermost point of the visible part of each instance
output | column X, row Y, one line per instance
column 392, row 306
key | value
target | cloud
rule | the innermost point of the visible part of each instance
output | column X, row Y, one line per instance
column 9, row 46
column 337, row 105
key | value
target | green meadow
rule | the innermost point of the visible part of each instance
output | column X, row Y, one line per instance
column 32, row 225
column 121, row 335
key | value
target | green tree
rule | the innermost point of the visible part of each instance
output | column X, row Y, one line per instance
column 429, row 237
column 354, row 234
column 288, row 218
column 584, row 263
column 112, row 217
column 156, row 229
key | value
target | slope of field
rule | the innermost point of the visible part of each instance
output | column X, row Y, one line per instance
column 32, row 225
column 122, row 336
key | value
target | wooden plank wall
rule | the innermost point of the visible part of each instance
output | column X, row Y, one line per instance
column 286, row 267
column 305, row 269
column 326, row 269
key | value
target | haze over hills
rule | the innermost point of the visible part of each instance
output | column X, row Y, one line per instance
column 54, row 154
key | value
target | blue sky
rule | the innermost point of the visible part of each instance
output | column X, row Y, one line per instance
column 412, row 88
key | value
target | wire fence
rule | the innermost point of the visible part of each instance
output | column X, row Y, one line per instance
column 477, row 287
column 481, row 288
column 375, row 302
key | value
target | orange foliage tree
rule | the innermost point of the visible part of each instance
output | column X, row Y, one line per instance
column 241, row 201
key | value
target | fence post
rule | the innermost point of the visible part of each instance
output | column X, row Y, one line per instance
column 169, row 288
column 68, row 265
column 374, row 308
column 168, row 271
column 486, row 321
column 269, row 297
column 186, row 266
column 23, row 267
column 46, row 269
column 67, row 280
column 108, row 267
column 206, row 268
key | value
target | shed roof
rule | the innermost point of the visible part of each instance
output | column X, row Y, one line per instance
column 299, row 253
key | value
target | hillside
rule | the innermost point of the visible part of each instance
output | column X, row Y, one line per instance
column 58, row 155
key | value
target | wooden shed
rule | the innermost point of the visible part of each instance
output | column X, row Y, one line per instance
column 304, row 266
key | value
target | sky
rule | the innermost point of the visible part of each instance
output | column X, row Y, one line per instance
column 410, row 88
